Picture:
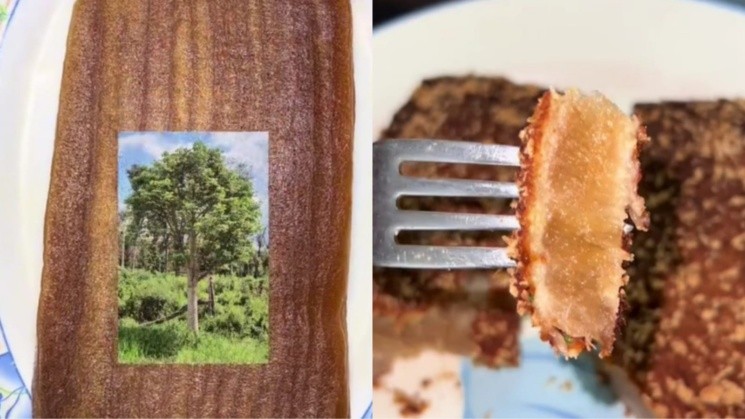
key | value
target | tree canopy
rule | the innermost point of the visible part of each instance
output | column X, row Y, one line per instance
column 200, row 211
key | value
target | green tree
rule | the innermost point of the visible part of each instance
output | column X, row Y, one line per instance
column 206, row 210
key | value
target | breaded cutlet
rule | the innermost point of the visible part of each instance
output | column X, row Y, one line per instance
column 413, row 308
column 684, row 340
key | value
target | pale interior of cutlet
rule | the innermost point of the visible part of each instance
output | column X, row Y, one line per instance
column 583, row 182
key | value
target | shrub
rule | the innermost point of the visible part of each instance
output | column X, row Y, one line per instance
column 259, row 317
column 146, row 296
column 241, row 304
column 240, row 309
column 128, row 322
column 229, row 320
column 157, row 341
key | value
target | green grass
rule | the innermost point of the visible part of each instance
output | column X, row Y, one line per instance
column 237, row 332
column 218, row 349
column 173, row 343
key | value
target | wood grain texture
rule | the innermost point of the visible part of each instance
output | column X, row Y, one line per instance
column 221, row 65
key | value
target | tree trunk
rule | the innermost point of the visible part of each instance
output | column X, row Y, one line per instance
column 123, row 249
column 192, row 312
column 212, row 296
column 192, row 304
column 256, row 262
column 165, row 263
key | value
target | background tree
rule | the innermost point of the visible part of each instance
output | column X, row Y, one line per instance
column 191, row 203
column 261, row 258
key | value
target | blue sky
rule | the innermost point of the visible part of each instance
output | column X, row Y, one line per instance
column 143, row 148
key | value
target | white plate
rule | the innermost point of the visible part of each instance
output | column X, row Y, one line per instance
column 631, row 50
column 31, row 58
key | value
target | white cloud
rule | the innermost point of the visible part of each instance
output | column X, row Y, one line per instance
column 152, row 143
column 251, row 148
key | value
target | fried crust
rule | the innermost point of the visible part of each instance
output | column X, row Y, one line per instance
column 519, row 244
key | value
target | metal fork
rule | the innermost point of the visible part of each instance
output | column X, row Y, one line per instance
column 389, row 220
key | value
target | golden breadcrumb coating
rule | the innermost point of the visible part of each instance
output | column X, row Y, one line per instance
column 578, row 185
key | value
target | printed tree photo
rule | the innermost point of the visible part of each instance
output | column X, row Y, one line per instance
column 194, row 248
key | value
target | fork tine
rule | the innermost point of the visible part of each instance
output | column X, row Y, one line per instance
column 441, row 151
column 457, row 188
column 389, row 220
column 440, row 257
column 432, row 220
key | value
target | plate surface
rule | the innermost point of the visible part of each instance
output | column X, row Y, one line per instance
column 31, row 57
column 631, row 50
